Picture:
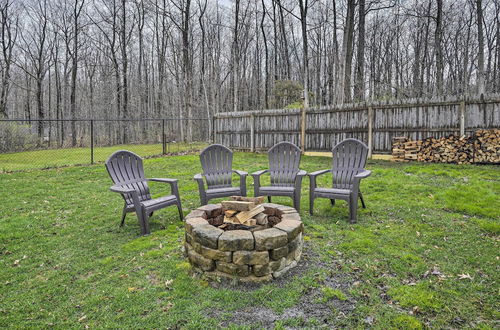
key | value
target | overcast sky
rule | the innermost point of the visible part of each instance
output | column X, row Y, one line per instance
column 225, row 2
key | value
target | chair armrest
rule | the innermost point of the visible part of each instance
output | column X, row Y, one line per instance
column 298, row 179
column 312, row 179
column 121, row 189
column 171, row 182
column 201, row 185
column 135, row 196
column 240, row 173
column 256, row 181
column 164, row 180
column 320, row 172
column 259, row 173
column 364, row 174
column 357, row 179
column 243, row 181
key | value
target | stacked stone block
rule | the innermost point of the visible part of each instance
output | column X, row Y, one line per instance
column 244, row 255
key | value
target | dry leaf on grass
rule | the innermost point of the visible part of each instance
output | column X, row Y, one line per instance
column 465, row 276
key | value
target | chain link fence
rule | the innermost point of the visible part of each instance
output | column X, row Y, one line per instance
column 35, row 144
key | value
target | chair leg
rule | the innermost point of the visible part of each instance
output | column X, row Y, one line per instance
column 179, row 208
column 243, row 189
column 140, row 219
column 203, row 199
column 145, row 224
column 296, row 201
column 353, row 209
column 269, row 199
column 124, row 214
column 332, row 201
column 362, row 200
column 311, row 204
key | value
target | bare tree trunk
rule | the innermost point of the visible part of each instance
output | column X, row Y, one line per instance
column 161, row 29
column 266, row 56
column 143, row 97
column 202, row 59
column 335, row 68
column 8, row 32
column 347, row 52
column 77, row 9
column 438, row 36
column 480, row 54
column 275, row 50
column 359, row 88
column 187, row 67
column 27, row 101
column 305, row 57
column 40, row 64
column 57, row 78
column 284, row 38
column 235, row 51
column 124, row 38
column 496, row 74
column 417, row 61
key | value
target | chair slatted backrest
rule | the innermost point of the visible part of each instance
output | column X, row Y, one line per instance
column 349, row 158
column 125, row 168
column 284, row 160
column 217, row 164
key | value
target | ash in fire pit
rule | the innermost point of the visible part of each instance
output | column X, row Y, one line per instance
column 244, row 239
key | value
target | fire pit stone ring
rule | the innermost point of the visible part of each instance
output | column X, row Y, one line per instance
column 244, row 253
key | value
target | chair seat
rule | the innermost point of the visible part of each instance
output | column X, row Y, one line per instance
column 332, row 191
column 228, row 190
column 274, row 189
column 160, row 201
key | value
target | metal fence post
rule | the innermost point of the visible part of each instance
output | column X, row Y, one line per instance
column 370, row 132
column 91, row 141
column 163, row 137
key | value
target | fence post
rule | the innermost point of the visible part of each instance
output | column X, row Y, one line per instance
column 163, row 138
column 91, row 141
column 462, row 117
column 303, row 130
column 370, row 132
column 252, row 133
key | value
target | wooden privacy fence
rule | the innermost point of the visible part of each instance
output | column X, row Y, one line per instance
column 376, row 123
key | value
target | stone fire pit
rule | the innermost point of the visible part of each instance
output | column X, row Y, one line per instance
column 245, row 254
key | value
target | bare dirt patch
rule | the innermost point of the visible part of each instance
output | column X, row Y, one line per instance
column 310, row 308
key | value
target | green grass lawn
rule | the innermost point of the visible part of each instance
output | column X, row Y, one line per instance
column 40, row 159
column 425, row 253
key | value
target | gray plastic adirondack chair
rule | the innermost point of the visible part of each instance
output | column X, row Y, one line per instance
column 349, row 159
column 127, row 173
column 217, row 164
column 286, row 177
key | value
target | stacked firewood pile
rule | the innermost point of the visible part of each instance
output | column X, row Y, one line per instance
column 482, row 147
column 404, row 150
column 487, row 146
column 450, row 149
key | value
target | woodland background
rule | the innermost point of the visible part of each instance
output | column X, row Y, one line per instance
column 193, row 58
